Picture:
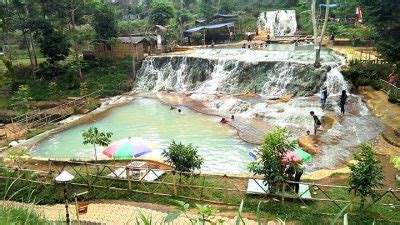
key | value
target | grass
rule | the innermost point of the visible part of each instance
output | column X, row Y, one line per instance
column 112, row 77
column 19, row 215
column 36, row 131
column 290, row 210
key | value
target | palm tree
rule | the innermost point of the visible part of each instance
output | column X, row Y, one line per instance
column 94, row 137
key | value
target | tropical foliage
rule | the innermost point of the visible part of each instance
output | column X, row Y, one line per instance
column 366, row 174
column 276, row 144
column 96, row 138
column 184, row 158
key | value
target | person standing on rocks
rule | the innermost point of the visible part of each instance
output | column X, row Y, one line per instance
column 342, row 102
column 317, row 122
column 324, row 97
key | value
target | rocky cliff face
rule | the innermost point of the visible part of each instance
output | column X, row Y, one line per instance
column 211, row 75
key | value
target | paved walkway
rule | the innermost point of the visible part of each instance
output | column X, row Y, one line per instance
column 109, row 214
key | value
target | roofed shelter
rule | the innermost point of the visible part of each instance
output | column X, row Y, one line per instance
column 126, row 46
column 215, row 32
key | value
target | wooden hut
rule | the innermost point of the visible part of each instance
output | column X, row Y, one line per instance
column 126, row 46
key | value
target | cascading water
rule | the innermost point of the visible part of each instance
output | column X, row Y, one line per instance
column 272, row 73
column 279, row 23
column 277, row 71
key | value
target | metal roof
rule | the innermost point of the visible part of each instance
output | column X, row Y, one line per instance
column 134, row 39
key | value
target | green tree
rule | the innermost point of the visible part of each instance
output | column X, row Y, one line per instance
column 94, row 137
column 53, row 90
column 207, row 9
column 53, row 44
column 162, row 12
column 183, row 157
column 276, row 145
column 226, row 6
column 366, row 174
column 384, row 16
column 105, row 22
column 22, row 98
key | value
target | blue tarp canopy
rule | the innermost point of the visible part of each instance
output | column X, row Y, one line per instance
column 188, row 33
column 330, row 5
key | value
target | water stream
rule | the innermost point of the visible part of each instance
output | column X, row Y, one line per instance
column 275, row 71
column 216, row 76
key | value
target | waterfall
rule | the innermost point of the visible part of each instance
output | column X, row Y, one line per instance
column 335, row 81
column 278, row 23
column 271, row 73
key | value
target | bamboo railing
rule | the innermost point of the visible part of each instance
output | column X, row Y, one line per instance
column 218, row 189
column 39, row 118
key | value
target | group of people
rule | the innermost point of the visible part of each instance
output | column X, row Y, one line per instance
column 324, row 97
column 254, row 46
column 173, row 108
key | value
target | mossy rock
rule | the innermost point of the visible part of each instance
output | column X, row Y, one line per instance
column 328, row 121
column 308, row 144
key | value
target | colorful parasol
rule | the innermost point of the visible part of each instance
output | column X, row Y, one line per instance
column 296, row 155
column 129, row 148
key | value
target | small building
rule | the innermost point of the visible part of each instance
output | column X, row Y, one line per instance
column 126, row 46
column 217, row 33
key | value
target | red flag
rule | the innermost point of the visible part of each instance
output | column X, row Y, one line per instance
column 359, row 13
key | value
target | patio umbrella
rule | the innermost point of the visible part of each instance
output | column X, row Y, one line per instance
column 296, row 155
column 128, row 148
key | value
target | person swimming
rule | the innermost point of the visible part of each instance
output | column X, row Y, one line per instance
column 172, row 108
column 179, row 110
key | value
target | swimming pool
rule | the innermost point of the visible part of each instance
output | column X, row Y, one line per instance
column 222, row 149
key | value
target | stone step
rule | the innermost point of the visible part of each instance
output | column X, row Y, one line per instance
column 391, row 136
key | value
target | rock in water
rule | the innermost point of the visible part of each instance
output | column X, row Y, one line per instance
column 309, row 144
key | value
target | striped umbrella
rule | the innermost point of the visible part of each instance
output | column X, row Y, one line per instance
column 128, row 148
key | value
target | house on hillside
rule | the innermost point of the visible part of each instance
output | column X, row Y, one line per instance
column 127, row 46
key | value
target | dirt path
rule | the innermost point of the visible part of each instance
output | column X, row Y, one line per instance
column 389, row 172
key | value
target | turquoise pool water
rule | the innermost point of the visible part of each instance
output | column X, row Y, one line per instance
column 220, row 146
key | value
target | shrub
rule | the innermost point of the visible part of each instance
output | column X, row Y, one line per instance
column 366, row 173
column 22, row 98
column 376, row 84
column 83, row 89
column 392, row 96
column 366, row 74
column 53, row 90
column 183, row 157
column 276, row 145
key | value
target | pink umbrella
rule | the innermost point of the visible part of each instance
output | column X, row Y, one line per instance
column 291, row 156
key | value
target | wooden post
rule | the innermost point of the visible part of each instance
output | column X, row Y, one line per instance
column 225, row 187
column 87, row 174
column 283, row 192
column 174, row 181
column 50, row 167
column 26, row 121
column 352, row 195
column 127, row 177
column 77, row 209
